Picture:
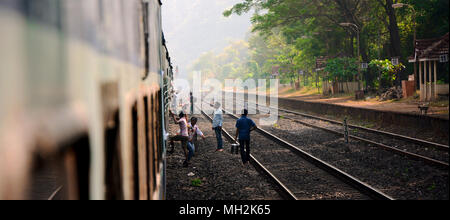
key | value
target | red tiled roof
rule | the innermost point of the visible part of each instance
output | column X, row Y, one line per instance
column 430, row 49
column 321, row 62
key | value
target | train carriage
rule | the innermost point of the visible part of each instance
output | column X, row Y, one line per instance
column 84, row 87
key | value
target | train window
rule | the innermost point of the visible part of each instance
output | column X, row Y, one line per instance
column 158, row 133
column 142, row 151
column 77, row 165
column 149, row 156
column 154, row 145
column 45, row 11
column 113, row 178
column 159, row 120
column 135, row 152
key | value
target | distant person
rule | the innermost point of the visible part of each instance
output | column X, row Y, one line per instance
column 185, row 108
column 217, row 125
column 244, row 126
column 175, row 100
column 183, row 135
column 191, row 97
column 194, row 132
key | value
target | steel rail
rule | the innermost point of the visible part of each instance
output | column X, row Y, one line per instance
column 437, row 146
column 53, row 195
column 414, row 156
column 428, row 160
column 284, row 190
column 341, row 175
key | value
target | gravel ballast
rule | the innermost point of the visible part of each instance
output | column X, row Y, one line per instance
column 395, row 175
column 217, row 175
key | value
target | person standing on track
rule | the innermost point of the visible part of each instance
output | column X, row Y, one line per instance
column 217, row 125
column 244, row 126
column 191, row 99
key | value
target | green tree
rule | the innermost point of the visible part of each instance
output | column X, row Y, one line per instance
column 388, row 72
column 291, row 33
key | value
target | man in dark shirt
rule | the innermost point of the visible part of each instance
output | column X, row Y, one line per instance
column 244, row 126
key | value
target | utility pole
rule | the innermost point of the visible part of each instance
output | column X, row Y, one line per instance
column 356, row 29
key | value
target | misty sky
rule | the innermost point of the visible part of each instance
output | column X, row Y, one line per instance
column 192, row 27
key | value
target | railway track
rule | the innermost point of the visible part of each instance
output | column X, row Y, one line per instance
column 303, row 179
column 55, row 193
column 431, row 153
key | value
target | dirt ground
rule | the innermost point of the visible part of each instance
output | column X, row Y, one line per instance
column 403, row 106
column 439, row 108
column 214, row 175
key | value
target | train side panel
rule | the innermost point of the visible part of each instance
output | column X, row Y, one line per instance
column 78, row 72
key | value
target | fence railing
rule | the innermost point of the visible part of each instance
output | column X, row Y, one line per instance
column 339, row 87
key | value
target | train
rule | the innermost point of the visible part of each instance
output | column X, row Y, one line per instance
column 85, row 88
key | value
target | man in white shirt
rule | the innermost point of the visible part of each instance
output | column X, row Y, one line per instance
column 194, row 132
column 217, row 125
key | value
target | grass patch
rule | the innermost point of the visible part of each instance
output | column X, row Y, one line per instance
column 432, row 187
column 339, row 95
column 196, row 182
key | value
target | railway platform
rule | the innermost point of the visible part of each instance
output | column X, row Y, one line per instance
column 406, row 106
column 394, row 118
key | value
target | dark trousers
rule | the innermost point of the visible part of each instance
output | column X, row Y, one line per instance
column 191, row 149
column 245, row 155
column 218, row 131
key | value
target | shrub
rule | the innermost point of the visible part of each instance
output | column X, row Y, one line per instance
column 389, row 72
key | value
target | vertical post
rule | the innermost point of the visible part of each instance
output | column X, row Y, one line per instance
column 399, row 5
column 425, row 86
column 430, row 97
column 415, row 76
column 414, row 47
column 420, row 81
column 359, row 62
column 345, row 130
column 435, row 80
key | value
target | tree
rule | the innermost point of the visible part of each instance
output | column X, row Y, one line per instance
column 388, row 72
column 309, row 29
